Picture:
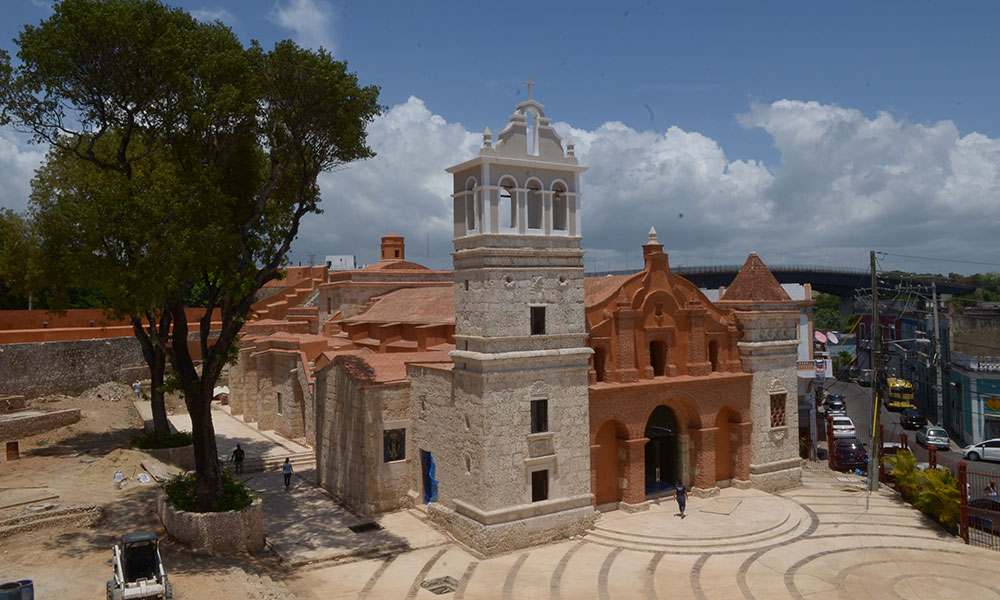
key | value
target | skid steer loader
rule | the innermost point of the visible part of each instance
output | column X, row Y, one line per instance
column 138, row 569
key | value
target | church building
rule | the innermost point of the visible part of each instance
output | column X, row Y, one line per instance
column 514, row 399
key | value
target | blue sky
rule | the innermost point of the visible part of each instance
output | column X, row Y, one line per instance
column 809, row 132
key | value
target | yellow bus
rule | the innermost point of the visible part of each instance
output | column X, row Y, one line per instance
column 899, row 394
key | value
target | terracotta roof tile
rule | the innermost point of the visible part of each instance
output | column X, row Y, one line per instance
column 411, row 305
column 386, row 368
column 598, row 289
column 395, row 265
column 755, row 283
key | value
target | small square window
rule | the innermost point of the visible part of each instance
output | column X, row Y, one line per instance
column 539, row 486
column 539, row 416
column 777, row 410
column 537, row 320
column 393, row 445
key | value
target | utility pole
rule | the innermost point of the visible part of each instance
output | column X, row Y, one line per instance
column 876, row 359
column 938, row 360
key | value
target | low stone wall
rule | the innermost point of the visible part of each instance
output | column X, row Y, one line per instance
column 182, row 456
column 218, row 533
column 16, row 428
column 68, row 367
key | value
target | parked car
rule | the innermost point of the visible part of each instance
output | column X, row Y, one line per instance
column 984, row 513
column 912, row 419
column 843, row 427
column 833, row 406
column 988, row 450
column 865, row 377
column 928, row 435
column 849, row 454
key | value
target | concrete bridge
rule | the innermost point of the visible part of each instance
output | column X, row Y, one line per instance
column 837, row 281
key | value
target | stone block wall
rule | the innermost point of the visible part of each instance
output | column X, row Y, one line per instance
column 67, row 367
column 21, row 427
column 350, row 420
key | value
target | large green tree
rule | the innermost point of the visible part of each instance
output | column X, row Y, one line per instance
column 212, row 151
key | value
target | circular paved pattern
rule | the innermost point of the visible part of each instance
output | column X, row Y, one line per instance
column 837, row 549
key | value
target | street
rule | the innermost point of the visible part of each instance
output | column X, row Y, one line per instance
column 859, row 409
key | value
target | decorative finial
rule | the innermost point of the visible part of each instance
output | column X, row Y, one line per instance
column 570, row 147
column 487, row 138
column 652, row 236
column 529, row 83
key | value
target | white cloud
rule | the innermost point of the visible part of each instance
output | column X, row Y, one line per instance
column 311, row 21
column 404, row 189
column 18, row 162
column 210, row 15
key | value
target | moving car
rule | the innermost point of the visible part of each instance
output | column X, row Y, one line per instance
column 988, row 450
column 865, row 377
column 912, row 419
column 849, row 454
column 843, row 427
column 933, row 436
column 833, row 406
column 984, row 513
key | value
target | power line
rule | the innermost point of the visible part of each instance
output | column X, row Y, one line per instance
column 968, row 262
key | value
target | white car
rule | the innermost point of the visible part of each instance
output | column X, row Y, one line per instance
column 988, row 450
column 843, row 427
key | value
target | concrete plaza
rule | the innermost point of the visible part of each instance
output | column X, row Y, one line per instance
column 814, row 541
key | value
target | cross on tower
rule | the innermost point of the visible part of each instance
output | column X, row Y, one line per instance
column 529, row 83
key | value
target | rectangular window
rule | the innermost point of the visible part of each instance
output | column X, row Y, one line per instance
column 537, row 320
column 281, row 409
column 777, row 410
column 539, row 416
column 539, row 486
column 393, row 445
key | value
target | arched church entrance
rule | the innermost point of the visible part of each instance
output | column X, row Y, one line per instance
column 661, row 450
column 725, row 445
column 606, row 462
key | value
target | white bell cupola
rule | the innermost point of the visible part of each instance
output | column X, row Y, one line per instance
column 523, row 182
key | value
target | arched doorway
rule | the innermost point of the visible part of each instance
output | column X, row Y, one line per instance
column 725, row 446
column 606, row 463
column 661, row 450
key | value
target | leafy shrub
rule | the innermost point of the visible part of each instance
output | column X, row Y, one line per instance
column 181, row 492
column 147, row 441
column 933, row 491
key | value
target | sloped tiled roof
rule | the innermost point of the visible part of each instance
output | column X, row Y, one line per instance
column 597, row 289
column 395, row 265
column 411, row 305
column 388, row 368
column 755, row 283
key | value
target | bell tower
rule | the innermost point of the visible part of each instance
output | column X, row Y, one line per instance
column 521, row 356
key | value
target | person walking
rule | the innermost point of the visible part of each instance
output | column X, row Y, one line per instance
column 286, row 470
column 237, row 458
column 680, row 493
column 137, row 388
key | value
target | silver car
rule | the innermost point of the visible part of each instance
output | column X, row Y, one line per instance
column 933, row 436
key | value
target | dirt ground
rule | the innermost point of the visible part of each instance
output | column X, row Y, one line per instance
column 74, row 466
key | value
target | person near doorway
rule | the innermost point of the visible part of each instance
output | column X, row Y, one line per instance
column 286, row 470
column 237, row 458
column 680, row 493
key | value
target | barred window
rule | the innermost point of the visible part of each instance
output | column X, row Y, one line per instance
column 777, row 410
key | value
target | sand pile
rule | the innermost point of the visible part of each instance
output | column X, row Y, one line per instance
column 130, row 462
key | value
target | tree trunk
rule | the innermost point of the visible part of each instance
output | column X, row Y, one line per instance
column 156, row 360
column 206, row 453
column 161, row 426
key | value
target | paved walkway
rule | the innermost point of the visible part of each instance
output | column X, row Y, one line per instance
column 815, row 541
